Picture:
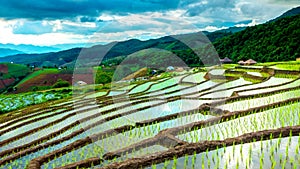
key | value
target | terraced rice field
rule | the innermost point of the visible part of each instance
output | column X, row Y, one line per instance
column 183, row 122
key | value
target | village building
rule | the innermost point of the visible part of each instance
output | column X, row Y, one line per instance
column 250, row 62
column 225, row 60
column 241, row 62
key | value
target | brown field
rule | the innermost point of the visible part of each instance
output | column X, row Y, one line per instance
column 3, row 68
column 50, row 79
column 6, row 82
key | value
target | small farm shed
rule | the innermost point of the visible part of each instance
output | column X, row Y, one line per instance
column 250, row 62
column 226, row 60
column 241, row 62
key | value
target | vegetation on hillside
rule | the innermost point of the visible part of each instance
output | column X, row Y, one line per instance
column 37, row 73
column 273, row 41
column 61, row 83
column 13, row 70
column 11, row 74
column 13, row 102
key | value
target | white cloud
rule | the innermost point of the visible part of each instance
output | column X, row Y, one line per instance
column 142, row 26
column 107, row 17
column 57, row 25
column 253, row 23
column 263, row 10
column 47, row 39
column 213, row 28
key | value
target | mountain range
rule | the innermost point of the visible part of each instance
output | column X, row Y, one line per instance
column 8, row 51
column 280, row 35
column 12, row 49
column 22, row 48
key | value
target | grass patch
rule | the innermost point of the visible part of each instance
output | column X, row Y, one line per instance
column 15, row 70
column 229, row 66
column 295, row 67
column 252, row 80
column 290, row 76
column 37, row 73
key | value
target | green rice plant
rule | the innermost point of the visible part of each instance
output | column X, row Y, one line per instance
column 202, row 161
column 174, row 162
column 186, row 161
column 226, row 165
column 254, row 81
column 288, row 66
column 194, row 160
column 166, row 163
column 290, row 76
column 237, row 166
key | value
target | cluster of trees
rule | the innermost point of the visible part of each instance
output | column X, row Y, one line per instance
column 61, row 83
column 103, row 77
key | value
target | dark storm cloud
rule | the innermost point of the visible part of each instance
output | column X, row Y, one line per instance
column 59, row 9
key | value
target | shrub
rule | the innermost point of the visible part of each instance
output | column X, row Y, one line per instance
column 103, row 78
column 37, row 88
column 66, row 91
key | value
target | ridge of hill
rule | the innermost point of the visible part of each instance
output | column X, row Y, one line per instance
column 7, row 52
column 272, row 41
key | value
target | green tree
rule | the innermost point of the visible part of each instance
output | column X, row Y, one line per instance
column 61, row 83
column 102, row 78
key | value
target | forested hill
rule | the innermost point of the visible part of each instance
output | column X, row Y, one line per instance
column 272, row 41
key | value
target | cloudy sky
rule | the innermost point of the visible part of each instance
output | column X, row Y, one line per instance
column 49, row 22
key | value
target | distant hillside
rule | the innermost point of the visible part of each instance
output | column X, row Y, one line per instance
column 68, row 57
column 213, row 36
column 272, row 41
column 10, row 74
column 53, row 58
column 92, row 54
column 140, row 73
column 7, row 52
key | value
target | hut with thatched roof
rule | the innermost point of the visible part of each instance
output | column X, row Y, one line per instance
column 226, row 60
column 241, row 62
column 250, row 62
